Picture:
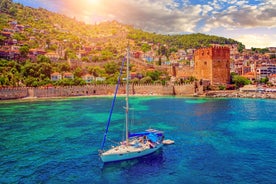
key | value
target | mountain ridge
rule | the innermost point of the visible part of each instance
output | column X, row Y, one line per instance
column 61, row 27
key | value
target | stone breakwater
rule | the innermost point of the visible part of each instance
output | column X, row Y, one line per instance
column 95, row 90
column 238, row 94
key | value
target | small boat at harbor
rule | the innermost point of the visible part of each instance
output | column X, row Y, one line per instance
column 136, row 144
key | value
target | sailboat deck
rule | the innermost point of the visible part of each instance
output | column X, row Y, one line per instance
column 122, row 149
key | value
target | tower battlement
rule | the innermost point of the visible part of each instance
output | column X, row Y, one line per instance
column 222, row 52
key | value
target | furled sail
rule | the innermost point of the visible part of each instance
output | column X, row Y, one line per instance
column 112, row 106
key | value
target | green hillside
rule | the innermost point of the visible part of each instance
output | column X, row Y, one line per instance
column 105, row 44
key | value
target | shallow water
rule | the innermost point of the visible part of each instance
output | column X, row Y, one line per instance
column 216, row 141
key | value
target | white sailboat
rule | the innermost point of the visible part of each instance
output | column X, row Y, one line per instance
column 135, row 144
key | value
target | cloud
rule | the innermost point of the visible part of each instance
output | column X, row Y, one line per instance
column 257, row 41
column 151, row 15
column 170, row 16
column 242, row 15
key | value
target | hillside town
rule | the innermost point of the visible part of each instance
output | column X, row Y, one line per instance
column 249, row 64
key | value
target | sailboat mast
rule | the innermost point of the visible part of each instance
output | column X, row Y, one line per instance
column 127, row 94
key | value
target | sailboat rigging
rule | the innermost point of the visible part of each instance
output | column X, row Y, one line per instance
column 135, row 144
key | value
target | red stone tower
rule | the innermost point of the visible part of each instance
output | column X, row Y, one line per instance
column 213, row 64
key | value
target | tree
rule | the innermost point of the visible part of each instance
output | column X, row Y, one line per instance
column 85, row 59
column 14, row 77
column 2, row 39
column 264, row 80
column 145, row 47
column 240, row 81
column 43, row 59
column 112, row 80
column 24, row 50
column 64, row 67
column 46, row 69
column 95, row 71
column 31, row 81
column 64, row 82
column 5, row 5
column 241, row 47
column 19, row 36
column 78, row 72
column 163, row 51
column 154, row 75
column 70, row 54
column 4, row 80
column 105, row 55
column 48, row 42
column 135, row 81
column 111, row 67
column 146, row 80
column 79, row 81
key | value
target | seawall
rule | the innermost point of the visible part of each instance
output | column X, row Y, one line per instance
column 94, row 90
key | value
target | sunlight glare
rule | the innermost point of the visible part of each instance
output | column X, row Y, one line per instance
column 92, row 1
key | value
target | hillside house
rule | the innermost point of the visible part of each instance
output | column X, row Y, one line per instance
column 87, row 48
column 32, row 38
column 8, row 52
column 262, row 72
column 14, row 41
column 265, row 70
column 19, row 28
column 137, row 54
column 88, row 78
column 98, row 48
column 6, row 34
column 68, row 75
column 8, row 30
column 56, row 76
column 81, row 54
column 272, row 79
column 4, row 54
column 52, row 56
column 148, row 59
column 250, row 76
column 36, row 52
column 133, row 75
column 14, row 54
column 14, row 22
column 100, row 79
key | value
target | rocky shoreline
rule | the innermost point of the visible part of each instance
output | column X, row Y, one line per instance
column 239, row 94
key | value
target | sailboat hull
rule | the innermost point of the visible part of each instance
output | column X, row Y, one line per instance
column 127, row 153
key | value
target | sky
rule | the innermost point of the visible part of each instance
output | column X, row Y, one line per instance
column 252, row 22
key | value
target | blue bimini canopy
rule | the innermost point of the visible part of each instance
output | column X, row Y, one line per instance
column 152, row 137
column 138, row 134
column 151, row 134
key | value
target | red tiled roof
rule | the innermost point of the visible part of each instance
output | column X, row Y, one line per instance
column 55, row 73
column 67, row 74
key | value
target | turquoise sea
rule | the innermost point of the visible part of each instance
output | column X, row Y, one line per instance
column 216, row 140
